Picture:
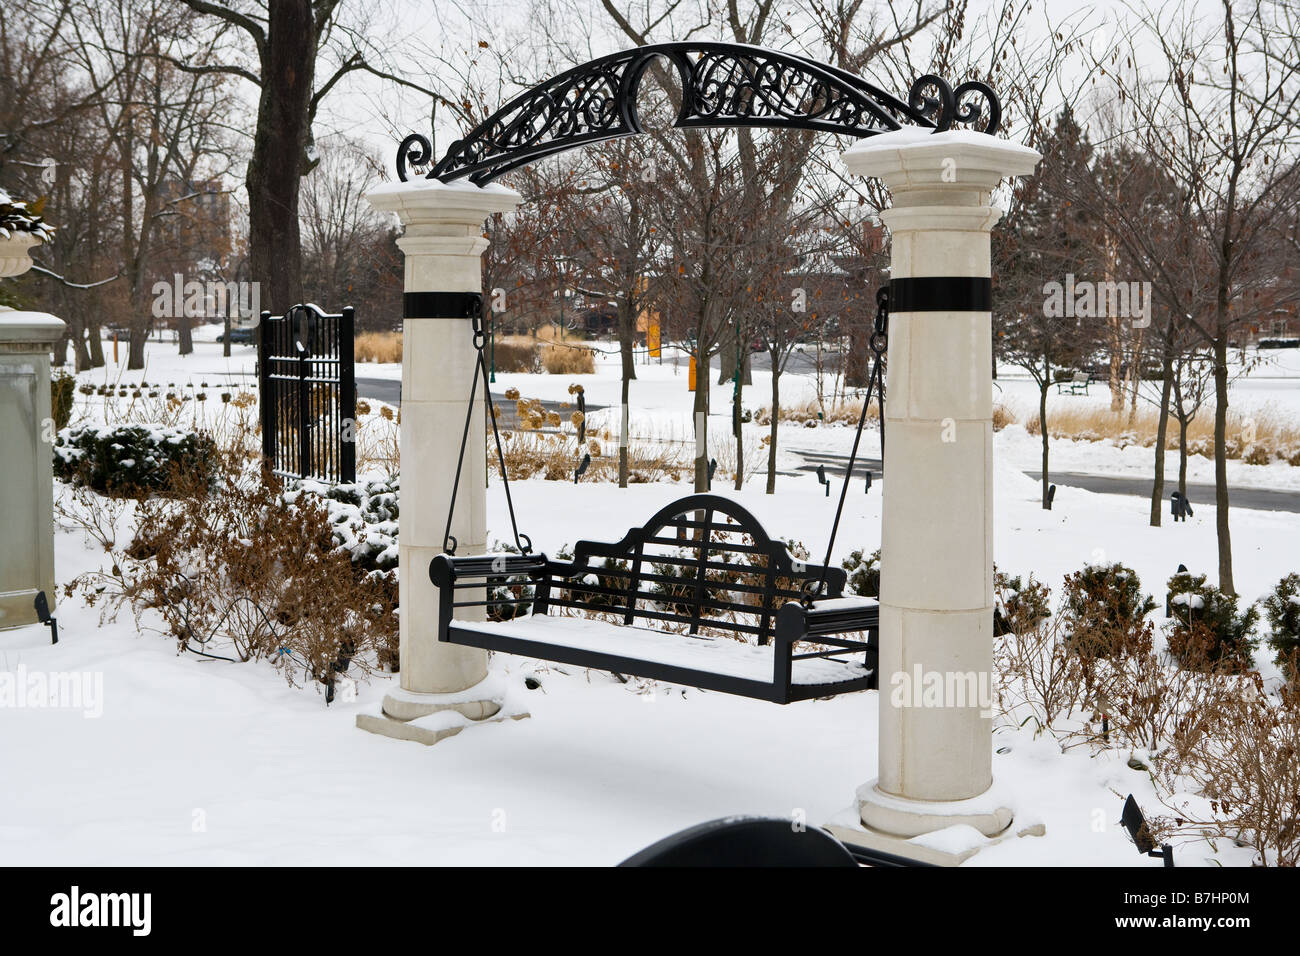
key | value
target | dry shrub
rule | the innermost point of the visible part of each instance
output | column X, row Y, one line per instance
column 1223, row 754
column 515, row 355
column 811, row 412
column 1244, row 766
column 1258, row 436
column 1039, row 680
column 378, row 433
column 378, row 347
column 1151, row 703
column 752, row 454
column 556, row 455
column 568, row 360
column 243, row 574
column 1002, row 417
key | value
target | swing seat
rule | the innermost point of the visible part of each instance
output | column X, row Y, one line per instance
column 699, row 596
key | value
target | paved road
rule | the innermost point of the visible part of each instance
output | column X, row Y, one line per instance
column 1258, row 499
column 380, row 389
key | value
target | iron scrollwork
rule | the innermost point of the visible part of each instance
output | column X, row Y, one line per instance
column 721, row 84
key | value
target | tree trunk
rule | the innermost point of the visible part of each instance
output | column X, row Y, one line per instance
column 1162, row 432
column 1221, row 462
column 776, row 417
column 136, row 338
column 738, row 430
column 1183, row 422
column 857, row 363
column 225, row 339
column 626, row 327
column 185, row 334
column 1135, row 378
column 701, row 411
column 95, row 340
column 1042, row 429
column 622, row 433
column 1116, row 343
column 729, row 356
column 276, row 166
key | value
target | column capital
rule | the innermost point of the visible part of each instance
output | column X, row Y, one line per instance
column 430, row 200
column 954, row 168
column 443, row 239
column 443, row 219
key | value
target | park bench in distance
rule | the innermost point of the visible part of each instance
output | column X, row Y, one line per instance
column 1077, row 385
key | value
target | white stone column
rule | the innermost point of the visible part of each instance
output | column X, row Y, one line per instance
column 443, row 243
column 26, row 436
column 936, row 587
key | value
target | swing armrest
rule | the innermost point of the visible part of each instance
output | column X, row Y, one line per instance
column 826, row 618
column 445, row 570
column 826, row 623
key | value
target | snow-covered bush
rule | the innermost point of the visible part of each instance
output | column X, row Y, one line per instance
column 1018, row 604
column 1105, row 610
column 248, row 573
column 18, row 217
column 1282, row 609
column 1206, row 631
column 864, row 573
column 132, row 459
column 363, row 518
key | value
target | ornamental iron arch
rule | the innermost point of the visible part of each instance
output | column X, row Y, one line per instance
column 722, row 85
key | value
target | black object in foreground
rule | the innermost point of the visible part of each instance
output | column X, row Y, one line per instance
column 42, row 605
column 1136, row 825
column 758, row 841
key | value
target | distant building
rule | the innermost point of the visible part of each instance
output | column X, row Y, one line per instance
column 1276, row 322
column 194, row 234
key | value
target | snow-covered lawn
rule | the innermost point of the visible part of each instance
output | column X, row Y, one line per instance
column 205, row 762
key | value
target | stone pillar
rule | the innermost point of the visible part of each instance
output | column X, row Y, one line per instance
column 443, row 243
column 936, row 613
column 26, row 436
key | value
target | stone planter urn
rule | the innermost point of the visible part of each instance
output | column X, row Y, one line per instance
column 14, row 258
column 26, row 431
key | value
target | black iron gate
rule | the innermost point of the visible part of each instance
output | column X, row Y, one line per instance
column 307, row 384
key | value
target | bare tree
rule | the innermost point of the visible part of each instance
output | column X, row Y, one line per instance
column 1219, row 121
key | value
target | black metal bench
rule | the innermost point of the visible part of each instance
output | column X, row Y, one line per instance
column 699, row 596
column 1077, row 384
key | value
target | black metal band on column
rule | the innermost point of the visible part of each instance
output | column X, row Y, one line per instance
column 941, row 294
column 441, row 305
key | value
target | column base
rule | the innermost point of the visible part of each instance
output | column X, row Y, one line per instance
column 945, row 833
column 429, row 718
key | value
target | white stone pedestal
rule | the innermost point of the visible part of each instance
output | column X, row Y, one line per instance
column 26, row 438
column 936, row 587
column 443, row 243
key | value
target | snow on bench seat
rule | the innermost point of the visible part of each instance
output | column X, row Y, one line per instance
column 718, row 655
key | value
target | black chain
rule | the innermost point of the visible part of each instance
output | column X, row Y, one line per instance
column 879, row 343
column 474, row 312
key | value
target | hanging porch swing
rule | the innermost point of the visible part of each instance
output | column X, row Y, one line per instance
column 699, row 596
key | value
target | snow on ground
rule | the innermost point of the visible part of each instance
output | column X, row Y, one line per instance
column 268, row 774
column 205, row 762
